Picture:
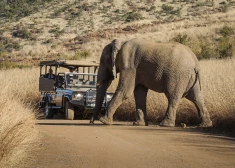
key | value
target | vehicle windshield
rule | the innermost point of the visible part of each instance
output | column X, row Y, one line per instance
column 80, row 79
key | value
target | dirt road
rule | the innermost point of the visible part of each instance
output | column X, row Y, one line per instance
column 76, row 144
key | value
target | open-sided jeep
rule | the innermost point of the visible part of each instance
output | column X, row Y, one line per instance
column 69, row 87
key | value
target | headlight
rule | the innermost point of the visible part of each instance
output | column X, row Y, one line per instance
column 109, row 97
column 78, row 96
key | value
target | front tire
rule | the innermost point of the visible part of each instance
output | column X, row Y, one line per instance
column 69, row 112
column 49, row 113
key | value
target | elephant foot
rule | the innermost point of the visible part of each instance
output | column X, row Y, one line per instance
column 105, row 120
column 207, row 123
column 140, row 123
column 167, row 123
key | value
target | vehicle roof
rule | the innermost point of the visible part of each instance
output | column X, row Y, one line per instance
column 69, row 63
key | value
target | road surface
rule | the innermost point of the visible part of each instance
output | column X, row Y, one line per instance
column 76, row 144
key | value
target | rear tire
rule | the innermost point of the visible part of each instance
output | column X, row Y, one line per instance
column 69, row 111
column 49, row 113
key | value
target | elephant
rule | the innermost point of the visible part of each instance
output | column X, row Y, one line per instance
column 169, row 68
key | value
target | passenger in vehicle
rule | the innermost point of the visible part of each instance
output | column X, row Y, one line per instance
column 50, row 75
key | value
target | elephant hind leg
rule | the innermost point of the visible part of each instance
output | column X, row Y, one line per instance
column 140, row 94
column 196, row 96
column 170, row 116
column 176, row 86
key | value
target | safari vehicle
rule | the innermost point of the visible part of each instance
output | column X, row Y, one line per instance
column 68, row 87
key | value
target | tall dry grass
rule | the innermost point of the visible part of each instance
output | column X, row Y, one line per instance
column 18, row 135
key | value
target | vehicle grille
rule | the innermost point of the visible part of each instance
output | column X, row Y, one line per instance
column 90, row 98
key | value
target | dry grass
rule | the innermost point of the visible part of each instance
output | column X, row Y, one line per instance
column 17, row 133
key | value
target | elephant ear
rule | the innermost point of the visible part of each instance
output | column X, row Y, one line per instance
column 116, row 46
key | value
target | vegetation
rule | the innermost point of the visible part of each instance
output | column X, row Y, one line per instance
column 10, row 65
column 132, row 16
column 8, row 45
column 204, row 48
column 16, row 9
column 18, row 135
column 83, row 54
column 56, row 31
column 22, row 33
column 170, row 10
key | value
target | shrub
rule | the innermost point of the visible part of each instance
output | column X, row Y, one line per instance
column 20, row 8
column 207, row 50
column 226, row 43
column 79, row 55
column 132, row 16
column 152, row 8
column 225, row 48
column 56, row 31
column 167, row 8
column 11, row 65
column 226, row 31
column 22, row 33
column 53, row 46
column 181, row 38
column 7, row 45
column 170, row 10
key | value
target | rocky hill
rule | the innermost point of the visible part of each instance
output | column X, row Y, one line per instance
column 74, row 29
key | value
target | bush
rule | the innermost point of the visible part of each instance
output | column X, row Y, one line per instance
column 56, row 31
column 226, row 31
column 20, row 8
column 11, row 65
column 132, row 16
column 79, row 55
column 7, row 45
column 206, row 48
column 23, row 33
column 170, row 10
column 226, row 47
column 167, row 8
column 181, row 38
column 226, row 43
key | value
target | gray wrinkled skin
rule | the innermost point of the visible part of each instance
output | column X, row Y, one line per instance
column 168, row 68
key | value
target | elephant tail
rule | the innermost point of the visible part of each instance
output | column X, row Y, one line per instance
column 197, row 77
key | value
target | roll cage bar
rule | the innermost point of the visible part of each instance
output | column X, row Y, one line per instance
column 78, row 66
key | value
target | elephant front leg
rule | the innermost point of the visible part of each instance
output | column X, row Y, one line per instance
column 124, row 90
column 140, row 94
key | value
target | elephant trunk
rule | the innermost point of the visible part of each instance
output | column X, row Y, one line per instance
column 100, row 95
column 116, row 45
column 106, row 73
